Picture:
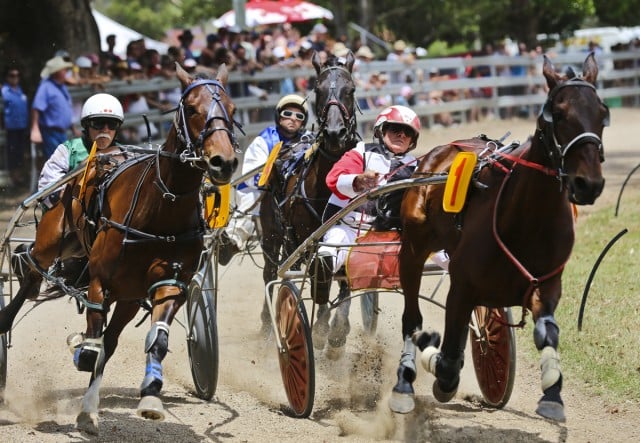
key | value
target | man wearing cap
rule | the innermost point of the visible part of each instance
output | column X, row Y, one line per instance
column 52, row 110
column 319, row 37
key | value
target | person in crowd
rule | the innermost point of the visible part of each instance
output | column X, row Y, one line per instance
column 388, row 158
column 186, row 40
column 291, row 115
column 15, row 121
column 52, row 109
column 318, row 37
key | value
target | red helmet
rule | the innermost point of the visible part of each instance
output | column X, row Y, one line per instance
column 400, row 115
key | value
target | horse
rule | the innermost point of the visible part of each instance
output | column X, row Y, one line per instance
column 293, row 205
column 509, row 244
column 143, row 241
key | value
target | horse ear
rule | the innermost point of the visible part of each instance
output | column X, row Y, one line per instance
column 315, row 60
column 350, row 61
column 223, row 74
column 590, row 69
column 550, row 73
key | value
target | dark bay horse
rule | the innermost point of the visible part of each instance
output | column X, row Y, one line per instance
column 292, row 210
column 509, row 244
column 144, row 239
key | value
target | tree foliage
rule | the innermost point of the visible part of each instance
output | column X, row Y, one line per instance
column 419, row 21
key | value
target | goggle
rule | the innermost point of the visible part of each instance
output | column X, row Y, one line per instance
column 99, row 123
column 292, row 114
column 398, row 128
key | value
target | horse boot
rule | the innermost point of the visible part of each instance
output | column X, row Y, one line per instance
column 18, row 262
column 340, row 326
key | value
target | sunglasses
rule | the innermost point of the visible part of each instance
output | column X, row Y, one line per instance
column 397, row 129
column 99, row 123
column 292, row 114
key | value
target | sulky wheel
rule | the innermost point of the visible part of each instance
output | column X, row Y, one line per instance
column 493, row 348
column 370, row 311
column 202, row 334
column 296, row 354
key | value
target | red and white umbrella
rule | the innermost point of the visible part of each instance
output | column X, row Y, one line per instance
column 269, row 12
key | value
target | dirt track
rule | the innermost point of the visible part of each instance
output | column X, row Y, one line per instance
column 44, row 390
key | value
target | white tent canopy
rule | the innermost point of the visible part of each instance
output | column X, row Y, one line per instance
column 123, row 35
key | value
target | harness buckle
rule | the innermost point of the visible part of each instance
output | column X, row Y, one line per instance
column 171, row 238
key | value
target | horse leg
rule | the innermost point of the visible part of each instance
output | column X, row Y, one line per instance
column 102, row 348
column 167, row 301
column 545, row 336
column 270, row 252
column 411, row 262
column 340, row 327
column 320, row 330
column 447, row 363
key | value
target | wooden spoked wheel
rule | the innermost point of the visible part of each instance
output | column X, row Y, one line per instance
column 493, row 348
column 296, row 354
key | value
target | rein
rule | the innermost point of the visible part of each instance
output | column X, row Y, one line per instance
column 534, row 282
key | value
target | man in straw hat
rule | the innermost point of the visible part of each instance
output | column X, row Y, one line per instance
column 52, row 110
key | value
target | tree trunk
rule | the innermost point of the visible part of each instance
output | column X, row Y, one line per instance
column 33, row 30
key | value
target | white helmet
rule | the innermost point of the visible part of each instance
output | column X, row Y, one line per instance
column 102, row 105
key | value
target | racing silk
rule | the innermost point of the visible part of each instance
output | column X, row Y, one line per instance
column 365, row 156
column 258, row 151
column 65, row 158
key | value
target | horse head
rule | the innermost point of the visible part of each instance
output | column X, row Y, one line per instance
column 335, row 102
column 205, row 126
column 570, row 126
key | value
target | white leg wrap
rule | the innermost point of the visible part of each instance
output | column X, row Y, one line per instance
column 429, row 359
column 550, row 367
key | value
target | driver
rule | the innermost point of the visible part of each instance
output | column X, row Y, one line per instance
column 368, row 165
column 291, row 116
column 100, row 118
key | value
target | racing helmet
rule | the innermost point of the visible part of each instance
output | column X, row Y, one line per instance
column 101, row 105
column 398, row 115
column 296, row 100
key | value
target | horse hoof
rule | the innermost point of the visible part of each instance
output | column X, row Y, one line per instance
column 442, row 396
column 402, row 403
column 334, row 352
column 551, row 410
column 319, row 334
column 151, row 408
column 340, row 328
column 87, row 422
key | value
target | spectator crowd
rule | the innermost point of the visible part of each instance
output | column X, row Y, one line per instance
column 248, row 51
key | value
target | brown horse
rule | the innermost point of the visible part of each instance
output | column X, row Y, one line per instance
column 293, row 207
column 509, row 244
column 147, row 226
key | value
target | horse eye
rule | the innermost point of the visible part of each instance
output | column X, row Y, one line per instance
column 190, row 110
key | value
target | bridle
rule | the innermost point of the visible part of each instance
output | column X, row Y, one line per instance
column 546, row 126
column 192, row 151
column 333, row 100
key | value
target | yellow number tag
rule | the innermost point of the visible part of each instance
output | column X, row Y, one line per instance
column 216, row 206
column 455, row 191
column 268, row 166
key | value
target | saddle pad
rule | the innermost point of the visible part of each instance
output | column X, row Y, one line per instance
column 374, row 266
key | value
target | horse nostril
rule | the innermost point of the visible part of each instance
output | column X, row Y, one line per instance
column 221, row 165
